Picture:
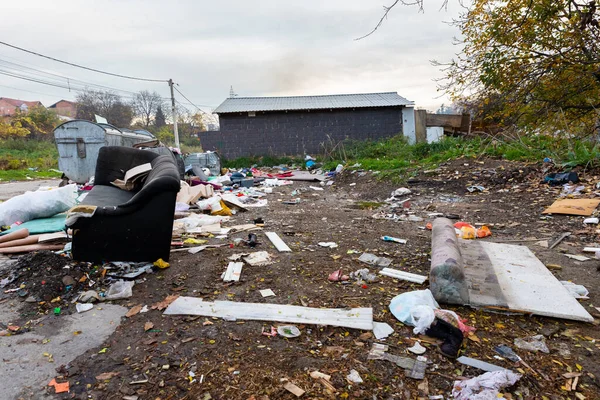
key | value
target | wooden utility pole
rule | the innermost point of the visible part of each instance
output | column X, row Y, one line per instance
column 174, row 113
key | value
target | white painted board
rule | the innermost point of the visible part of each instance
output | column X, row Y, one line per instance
column 277, row 242
column 529, row 286
column 405, row 276
column 234, row 271
column 357, row 318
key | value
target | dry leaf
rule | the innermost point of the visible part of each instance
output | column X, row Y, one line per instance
column 148, row 326
column 133, row 311
column 165, row 303
column 107, row 375
column 473, row 337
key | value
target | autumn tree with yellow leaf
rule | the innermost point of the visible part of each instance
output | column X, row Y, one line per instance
column 533, row 63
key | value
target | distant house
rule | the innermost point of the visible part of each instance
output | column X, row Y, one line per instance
column 254, row 126
column 8, row 107
column 64, row 108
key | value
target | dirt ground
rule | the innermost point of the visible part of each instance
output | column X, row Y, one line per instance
column 232, row 360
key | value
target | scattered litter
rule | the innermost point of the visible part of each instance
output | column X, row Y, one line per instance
column 571, row 190
column 532, row 343
column 337, row 276
column 148, row 325
column 557, row 179
column 591, row 221
column 577, row 291
column 120, row 290
column 258, row 259
column 401, row 192
column 267, row 293
column 295, row 390
column 476, row 188
column 233, row 273
column 316, row 188
column 382, row 330
column 277, row 242
column 507, row 353
column 482, row 365
column 160, row 263
column 364, row 275
column 484, row 387
column 577, row 257
column 417, row 348
column 402, row 275
column 372, row 259
column 288, row 331
column 83, row 307
column 331, row 245
column 555, row 242
column 377, row 352
column 583, row 207
column 354, row 377
column 393, row 239
column 358, row 318
column 59, row 387
column 271, row 333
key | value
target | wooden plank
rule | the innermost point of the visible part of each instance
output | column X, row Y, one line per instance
column 234, row 271
column 277, row 242
column 405, row 276
column 33, row 239
column 356, row 318
column 421, row 126
column 445, row 120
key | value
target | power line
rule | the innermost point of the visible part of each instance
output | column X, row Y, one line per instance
column 60, row 78
column 81, row 66
column 190, row 102
column 29, row 91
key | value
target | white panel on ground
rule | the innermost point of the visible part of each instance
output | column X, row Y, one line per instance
column 234, row 271
column 357, row 318
column 529, row 286
column 404, row 276
column 277, row 242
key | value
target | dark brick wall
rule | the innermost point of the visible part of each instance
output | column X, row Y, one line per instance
column 298, row 132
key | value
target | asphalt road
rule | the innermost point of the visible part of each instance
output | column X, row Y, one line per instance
column 8, row 190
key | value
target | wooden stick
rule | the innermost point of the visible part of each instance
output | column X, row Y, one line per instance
column 20, row 234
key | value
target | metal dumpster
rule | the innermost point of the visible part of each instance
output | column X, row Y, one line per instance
column 78, row 143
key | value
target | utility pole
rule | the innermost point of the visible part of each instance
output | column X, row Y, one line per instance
column 174, row 113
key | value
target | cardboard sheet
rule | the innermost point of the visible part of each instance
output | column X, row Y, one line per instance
column 573, row 207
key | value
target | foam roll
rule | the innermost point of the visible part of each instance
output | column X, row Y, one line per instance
column 447, row 276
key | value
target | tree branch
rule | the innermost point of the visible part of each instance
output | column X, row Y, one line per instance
column 386, row 11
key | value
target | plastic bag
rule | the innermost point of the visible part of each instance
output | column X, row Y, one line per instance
column 485, row 386
column 532, row 343
column 39, row 204
column 422, row 318
column 120, row 290
column 577, row 291
column 402, row 305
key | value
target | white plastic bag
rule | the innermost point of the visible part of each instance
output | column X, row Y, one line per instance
column 120, row 290
column 422, row 318
column 39, row 204
column 402, row 307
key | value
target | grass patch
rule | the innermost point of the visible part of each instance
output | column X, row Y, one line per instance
column 20, row 154
column 394, row 158
column 25, row 174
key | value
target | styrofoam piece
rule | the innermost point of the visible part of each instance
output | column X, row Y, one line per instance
column 277, row 242
column 591, row 249
column 382, row 330
column 234, row 270
column 405, row 276
column 357, row 318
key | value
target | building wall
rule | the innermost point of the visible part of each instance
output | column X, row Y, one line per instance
column 299, row 132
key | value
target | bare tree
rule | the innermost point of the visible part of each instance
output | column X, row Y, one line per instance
column 106, row 104
column 387, row 9
column 145, row 105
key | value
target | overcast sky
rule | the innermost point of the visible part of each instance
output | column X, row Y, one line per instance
column 261, row 48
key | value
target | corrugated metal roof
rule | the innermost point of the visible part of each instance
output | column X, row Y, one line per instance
column 245, row 104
